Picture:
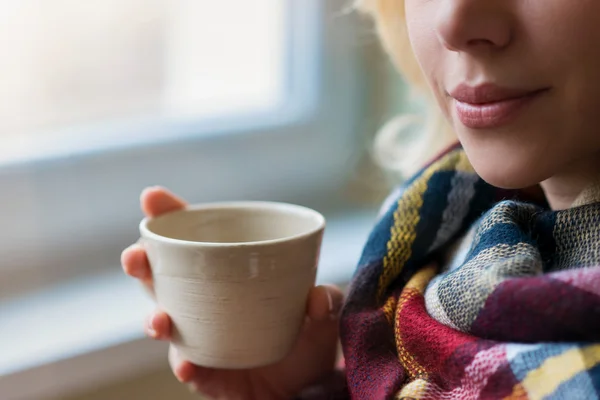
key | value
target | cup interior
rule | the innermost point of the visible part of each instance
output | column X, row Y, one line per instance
column 242, row 222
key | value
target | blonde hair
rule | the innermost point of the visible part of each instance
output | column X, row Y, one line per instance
column 391, row 148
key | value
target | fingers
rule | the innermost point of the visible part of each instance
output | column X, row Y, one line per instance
column 154, row 201
column 157, row 200
column 324, row 302
column 135, row 262
column 158, row 326
column 184, row 370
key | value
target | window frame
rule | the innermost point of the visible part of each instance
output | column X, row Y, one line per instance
column 69, row 214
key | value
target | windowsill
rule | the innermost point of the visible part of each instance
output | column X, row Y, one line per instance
column 86, row 333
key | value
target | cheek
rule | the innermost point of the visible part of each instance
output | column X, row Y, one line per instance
column 421, row 35
column 572, row 57
column 428, row 51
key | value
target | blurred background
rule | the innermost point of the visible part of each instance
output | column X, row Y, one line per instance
column 216, row 100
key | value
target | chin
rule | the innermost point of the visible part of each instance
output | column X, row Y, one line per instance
column 507, row 172
column 506, row 179
column 509, row 160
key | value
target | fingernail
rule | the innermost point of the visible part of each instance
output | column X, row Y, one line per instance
column 329, row 301
column 125, row 251
column 152, row 188
column 333, row 314
column 147, row 190
column 124, row 261
column 151, row 327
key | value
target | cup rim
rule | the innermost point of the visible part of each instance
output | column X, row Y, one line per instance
column 292, row 208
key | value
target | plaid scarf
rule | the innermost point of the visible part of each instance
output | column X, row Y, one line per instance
column 518, row 318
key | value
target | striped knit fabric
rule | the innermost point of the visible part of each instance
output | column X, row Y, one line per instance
column 519, row 318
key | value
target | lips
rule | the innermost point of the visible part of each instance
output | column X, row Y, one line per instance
column 490, row 106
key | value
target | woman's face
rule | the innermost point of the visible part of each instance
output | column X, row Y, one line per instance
column 519, row 80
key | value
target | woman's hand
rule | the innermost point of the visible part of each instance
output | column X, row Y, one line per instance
column 311, row 360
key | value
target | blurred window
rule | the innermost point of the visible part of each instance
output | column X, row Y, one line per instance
column 216, row 100
column 75, row 73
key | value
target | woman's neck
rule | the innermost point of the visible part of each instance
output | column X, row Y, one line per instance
column 563, row 189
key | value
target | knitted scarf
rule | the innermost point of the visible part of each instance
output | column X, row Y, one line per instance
column 517, row 318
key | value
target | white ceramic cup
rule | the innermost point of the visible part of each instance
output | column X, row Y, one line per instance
column 234, row 278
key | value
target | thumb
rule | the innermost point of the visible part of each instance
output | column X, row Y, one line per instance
column 324, row 302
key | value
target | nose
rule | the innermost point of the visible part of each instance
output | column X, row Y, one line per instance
column 473, row 25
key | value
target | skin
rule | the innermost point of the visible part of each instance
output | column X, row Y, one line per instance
column 311, row 361
column 549, row 44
